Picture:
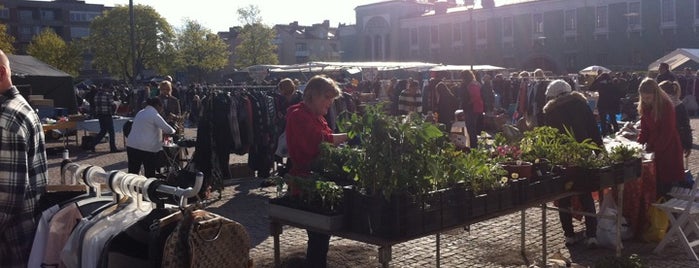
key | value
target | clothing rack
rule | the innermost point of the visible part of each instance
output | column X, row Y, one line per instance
column 126, row 184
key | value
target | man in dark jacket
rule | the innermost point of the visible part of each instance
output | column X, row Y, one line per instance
column 566, row 109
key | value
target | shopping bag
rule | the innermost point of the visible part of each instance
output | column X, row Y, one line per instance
column 606, row 226
column 658, row 224
column 282, row 149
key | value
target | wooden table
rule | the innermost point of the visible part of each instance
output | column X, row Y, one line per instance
column 64, row 126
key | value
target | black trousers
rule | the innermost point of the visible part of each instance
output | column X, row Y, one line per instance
column 137, row 157
column 106, row 126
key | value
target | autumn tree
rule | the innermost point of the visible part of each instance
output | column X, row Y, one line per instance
column 110, row 41
column 256, row 46
column 48, row 47
column 200, row 51
column 6, row 40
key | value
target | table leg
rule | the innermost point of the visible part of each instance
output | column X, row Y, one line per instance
column 522, row 233
column 276, row 230
column 619, row 216
column 384, row 256
column 543, row 234
column 437, row 239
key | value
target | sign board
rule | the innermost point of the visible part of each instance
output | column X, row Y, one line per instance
column 369, row 74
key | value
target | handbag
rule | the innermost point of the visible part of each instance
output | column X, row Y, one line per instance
column 205, row 239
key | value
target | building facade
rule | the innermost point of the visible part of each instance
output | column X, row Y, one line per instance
column 70, row 19
column 299, row 44
column 562, row 36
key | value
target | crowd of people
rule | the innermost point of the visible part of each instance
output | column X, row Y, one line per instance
column 529, row 99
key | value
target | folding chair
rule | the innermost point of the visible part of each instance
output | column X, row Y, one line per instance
column 683, row 212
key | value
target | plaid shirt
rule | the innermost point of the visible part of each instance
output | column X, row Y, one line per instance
column 104, row 102
column 23, row 177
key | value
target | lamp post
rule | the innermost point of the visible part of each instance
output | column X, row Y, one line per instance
column 132, row 36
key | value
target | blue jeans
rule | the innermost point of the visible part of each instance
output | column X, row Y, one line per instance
column 317, row 250
column 106, row 126
column 567, row 219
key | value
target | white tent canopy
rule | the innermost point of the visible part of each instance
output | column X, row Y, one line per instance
column 466, row 67
column 676, row 58
column 317, row 66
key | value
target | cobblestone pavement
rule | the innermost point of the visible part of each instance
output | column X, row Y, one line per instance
column 492, row 243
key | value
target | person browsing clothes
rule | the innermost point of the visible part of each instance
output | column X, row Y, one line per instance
column 145, row 139
column 23, row 176
column 306, row 129
column 104, row 110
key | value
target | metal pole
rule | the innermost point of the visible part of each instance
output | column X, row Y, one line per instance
column 132, row 35
column 473, row 36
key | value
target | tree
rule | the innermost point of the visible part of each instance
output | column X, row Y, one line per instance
column 110, row 41
column 6, row 40
column 256, row 46
column 199, row 50
column 48, row 47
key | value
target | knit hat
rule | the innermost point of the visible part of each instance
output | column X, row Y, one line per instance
column 557, row 88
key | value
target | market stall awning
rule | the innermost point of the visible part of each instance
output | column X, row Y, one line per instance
column 676, row 58
column 466, row 67
column 335, row 66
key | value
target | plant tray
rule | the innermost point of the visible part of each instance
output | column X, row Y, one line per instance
column 314, row 220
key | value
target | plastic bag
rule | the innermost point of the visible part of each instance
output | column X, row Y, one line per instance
column 606, row 226
column 282, row 149
column 659, row 222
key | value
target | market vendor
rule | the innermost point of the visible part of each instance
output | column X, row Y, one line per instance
column 306, row 129
column 569, row 110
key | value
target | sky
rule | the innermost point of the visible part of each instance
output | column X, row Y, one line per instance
column 219, row 15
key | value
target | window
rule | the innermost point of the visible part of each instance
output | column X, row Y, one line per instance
column 83, row 16
column 413, row 37
column 47, row 14
column 481, row 30
column 434, row 34
column 538, row 23
column 4, row 13
column 456, row 32
column 571, row 61
column 633, row 15
column 301, row 47
column 668, row 11
column 570, row 21
column 79, row 32
column 696, row 11
column 507, row 26
column 601, row 17
column 25, row 15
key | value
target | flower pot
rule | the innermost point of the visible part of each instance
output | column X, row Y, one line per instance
column 315, row 220
column 522, row 168
column 478, row 206
column 541, row 167
column 455, row 206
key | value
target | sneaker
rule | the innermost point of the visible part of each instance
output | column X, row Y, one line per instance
column 591, row 243
column 571, row 240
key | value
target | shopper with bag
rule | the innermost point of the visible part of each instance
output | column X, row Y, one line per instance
column 569, row 110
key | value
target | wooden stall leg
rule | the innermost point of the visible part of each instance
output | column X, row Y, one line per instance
column 276, row 230
column 384, row 256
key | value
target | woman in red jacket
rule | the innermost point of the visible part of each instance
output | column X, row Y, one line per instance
column 659, row 134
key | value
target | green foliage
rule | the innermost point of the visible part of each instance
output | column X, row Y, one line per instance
column 314, row 189
column 622, row 153
column 542, row 143
column 48, row 47
column 200, row 51
column 256, row 46
column 6, row 40
column 110, row 41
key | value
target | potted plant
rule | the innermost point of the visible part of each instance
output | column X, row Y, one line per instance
column 542, row 146
column 626, row 161
column 314, row 202
column 508, row 155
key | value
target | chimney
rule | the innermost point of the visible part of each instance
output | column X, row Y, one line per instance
column 326, row 23
column 440, row 7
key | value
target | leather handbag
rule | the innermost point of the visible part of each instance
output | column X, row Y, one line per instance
column 204, row 239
